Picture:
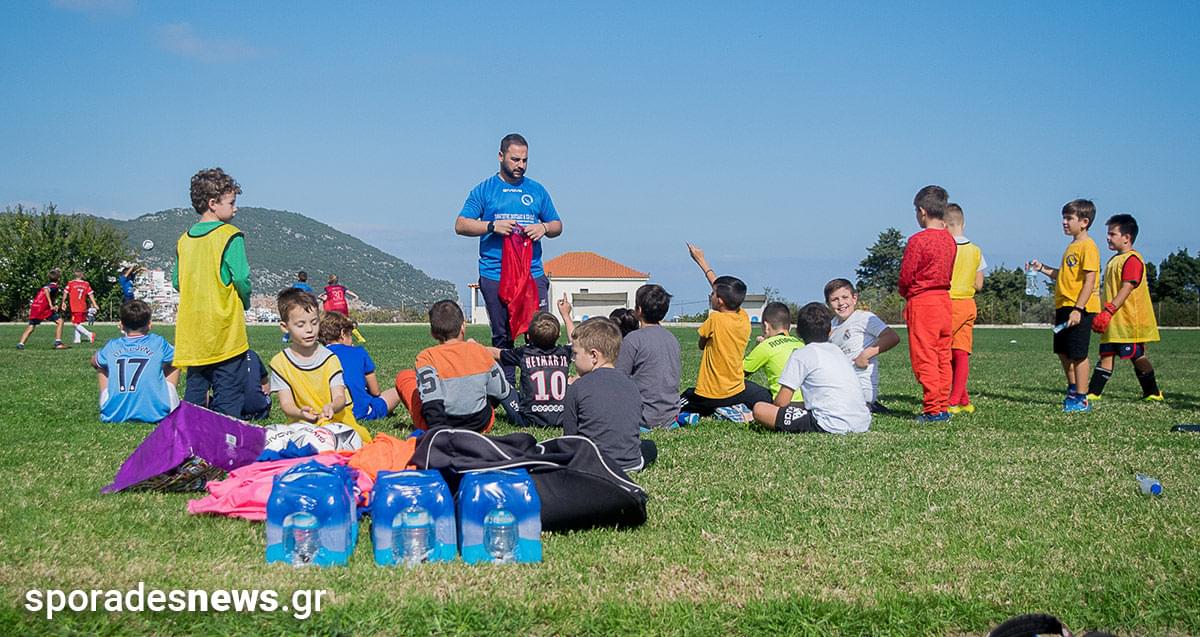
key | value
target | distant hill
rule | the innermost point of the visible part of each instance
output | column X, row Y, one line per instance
column 280, row 243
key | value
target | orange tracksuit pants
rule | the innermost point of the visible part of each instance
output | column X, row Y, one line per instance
column 929, row 334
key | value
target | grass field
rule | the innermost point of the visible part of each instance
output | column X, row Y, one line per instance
column 905, row 530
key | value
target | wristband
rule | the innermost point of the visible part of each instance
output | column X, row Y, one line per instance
column 491, row 227
column 1079, row 309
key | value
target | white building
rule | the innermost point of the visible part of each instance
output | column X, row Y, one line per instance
column 595, row 285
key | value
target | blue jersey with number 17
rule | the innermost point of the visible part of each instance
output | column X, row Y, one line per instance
column 137, row 389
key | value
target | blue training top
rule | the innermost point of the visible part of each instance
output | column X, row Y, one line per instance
column 494, row 199
column 137, row 389
column 356, row 364
column 301, row 285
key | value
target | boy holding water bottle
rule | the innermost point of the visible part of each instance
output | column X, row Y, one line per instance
column 1075, row 299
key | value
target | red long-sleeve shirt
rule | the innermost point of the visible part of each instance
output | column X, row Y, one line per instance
column 928, row 263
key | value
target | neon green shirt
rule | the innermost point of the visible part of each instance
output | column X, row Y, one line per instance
column 771, row 355
column 235, row 268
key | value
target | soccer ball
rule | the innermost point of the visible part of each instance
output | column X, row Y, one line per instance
column 147, row 245
column 315, row 437
column 345, row 438
column 278, row 436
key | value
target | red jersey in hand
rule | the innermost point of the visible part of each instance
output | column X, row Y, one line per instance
column 518, row 291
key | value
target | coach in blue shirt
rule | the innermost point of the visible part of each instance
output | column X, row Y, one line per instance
column 493, row 208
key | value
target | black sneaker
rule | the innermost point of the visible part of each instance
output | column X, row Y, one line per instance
column 878, row 408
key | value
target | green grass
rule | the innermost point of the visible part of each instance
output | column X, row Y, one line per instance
column 902, row 531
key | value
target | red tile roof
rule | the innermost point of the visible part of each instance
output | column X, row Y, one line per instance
column 589, row 265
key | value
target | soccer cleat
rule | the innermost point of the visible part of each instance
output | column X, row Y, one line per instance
column 1094, row 397
column 92, row 337
column 878, row 408
column 1077, row 406
column 735, row 413
column 968, row 408
column 933, row 419
column 1153, row 398
column 954, row 410
column 60, row 345
column 686, row 418
column 20, row 346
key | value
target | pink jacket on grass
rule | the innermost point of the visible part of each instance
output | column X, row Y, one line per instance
column 245, row 492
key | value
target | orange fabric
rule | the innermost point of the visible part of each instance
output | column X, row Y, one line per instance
column 929, row 336
column 455, row 359
column 384, row 453
column 962, row 324
column 406, row 386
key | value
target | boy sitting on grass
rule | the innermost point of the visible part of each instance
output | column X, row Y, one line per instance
column 137, row 379
column 832, row 399
column 862, row 337
column 721, row 385
column 358, row 369
column 650, row 356
column 544, row 366
column 307, row 376
column 598, row 405
column 775, row 346
column 455, row 381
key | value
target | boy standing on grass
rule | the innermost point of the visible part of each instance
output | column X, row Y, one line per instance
column 650, row 356
column 456, row 382
column 135, row 372
column 598, row 405
column 213, row 279
column 358, row 369
column 966, row 280
column 775, row 345
column 335, row 298
column 42, row 307
column 1127, row 321
column 925, row 285
column 307, row 376
column 832, row 400
column 544, row 366
column 861, row 336
column 1075, row 299
column 82, row 302
column 721, row 385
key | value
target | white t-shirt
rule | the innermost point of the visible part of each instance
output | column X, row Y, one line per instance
column 827, row 380
column 852, row 336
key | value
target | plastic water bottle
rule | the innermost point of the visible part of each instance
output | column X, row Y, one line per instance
column 500, row 535
column 1031, row 281
column 1149, row 484
column 1060, row 327
column 412, row 537
column 304, row 538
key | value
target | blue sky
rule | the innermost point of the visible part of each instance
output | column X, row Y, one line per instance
column 781, row 137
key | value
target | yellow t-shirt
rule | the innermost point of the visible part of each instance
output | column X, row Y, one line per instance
column 1080, row 258
column 1134, row 321
column 312, row 383
column 721, row 374
column 968, row 261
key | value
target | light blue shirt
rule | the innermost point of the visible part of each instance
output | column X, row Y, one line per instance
column 137, row 389
column 494, row 199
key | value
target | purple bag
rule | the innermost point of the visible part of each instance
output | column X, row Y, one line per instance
column 191, row 446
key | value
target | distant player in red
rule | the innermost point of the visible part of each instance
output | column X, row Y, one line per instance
column 925, row 274
column 334, row 299
column 42, row 308
column 83, row 306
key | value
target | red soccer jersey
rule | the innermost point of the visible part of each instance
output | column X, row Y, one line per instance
column 928, row 262
column 335, row 299
column 42, row 306
column 77, row 293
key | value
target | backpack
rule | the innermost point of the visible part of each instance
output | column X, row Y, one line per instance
column 579, row 486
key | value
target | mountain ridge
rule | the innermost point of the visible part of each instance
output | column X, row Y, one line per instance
column 279, row 243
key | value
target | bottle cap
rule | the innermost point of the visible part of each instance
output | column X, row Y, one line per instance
column 1156, row 489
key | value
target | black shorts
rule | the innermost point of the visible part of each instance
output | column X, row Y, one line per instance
column 53, row 318
column 795, row 419
column 1124, row 351
column 1073, row 341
